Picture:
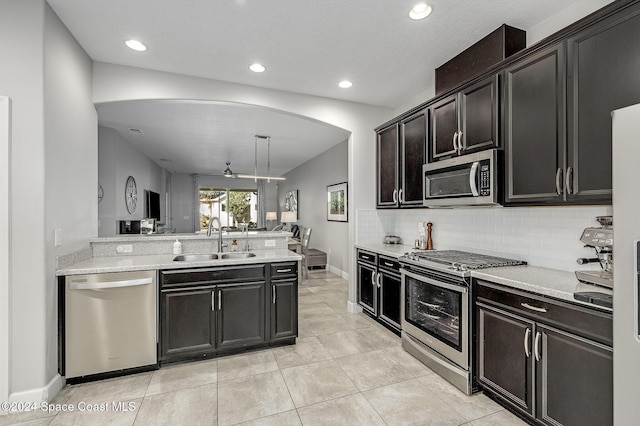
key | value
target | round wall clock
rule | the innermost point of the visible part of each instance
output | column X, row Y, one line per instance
column 131, row 195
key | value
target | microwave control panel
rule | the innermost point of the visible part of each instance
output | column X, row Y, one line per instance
column 484, row 188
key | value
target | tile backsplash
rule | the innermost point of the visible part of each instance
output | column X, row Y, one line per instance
column 542, row 236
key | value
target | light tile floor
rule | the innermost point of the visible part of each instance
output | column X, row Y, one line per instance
column 344, row 369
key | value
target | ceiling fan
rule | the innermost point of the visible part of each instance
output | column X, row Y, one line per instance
column 229, row 173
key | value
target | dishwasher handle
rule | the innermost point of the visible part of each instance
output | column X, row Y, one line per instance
column 84, row 285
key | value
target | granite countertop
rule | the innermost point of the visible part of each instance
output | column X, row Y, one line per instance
column 538, row 280
column 97, row 265
column 200, row 235
column 544, row 281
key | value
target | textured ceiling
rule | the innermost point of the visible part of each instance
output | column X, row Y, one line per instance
column 308, row 46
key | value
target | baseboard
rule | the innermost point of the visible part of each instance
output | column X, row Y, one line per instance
column 43, row 394
column 342, row 274
column 353, row 307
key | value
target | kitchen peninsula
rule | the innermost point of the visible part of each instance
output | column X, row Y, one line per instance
column 174, row 307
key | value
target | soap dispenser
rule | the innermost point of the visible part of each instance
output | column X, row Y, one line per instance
column 177, row 247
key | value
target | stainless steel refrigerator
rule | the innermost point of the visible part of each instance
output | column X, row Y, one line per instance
column 626, row 228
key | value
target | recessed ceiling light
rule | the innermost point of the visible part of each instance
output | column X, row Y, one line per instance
column 420, row 11
column 136, row 45
column 257, row 67
column 345, row 84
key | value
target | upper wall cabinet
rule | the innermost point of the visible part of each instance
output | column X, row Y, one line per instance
column 466, row 121
column 534, row 123
column 400, row 154
column 556, row 159
column 603, row 75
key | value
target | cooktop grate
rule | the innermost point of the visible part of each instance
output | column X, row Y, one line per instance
column 466, row 260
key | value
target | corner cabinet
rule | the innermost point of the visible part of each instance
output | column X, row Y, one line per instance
column 209, row 311
column 467, row 121
column 400, row 154
column 548, row 360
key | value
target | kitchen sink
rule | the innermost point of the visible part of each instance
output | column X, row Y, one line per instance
column 237, row 255
column 195, row 257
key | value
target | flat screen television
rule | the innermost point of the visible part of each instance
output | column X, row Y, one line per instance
column 151, row 204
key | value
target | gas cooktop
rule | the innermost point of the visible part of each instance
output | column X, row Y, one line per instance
column 456, row 260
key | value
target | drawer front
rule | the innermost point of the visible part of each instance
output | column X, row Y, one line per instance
column 284, row 270
column 207, row 276
column 583, row 321
column 367, row 257
column 389, row 263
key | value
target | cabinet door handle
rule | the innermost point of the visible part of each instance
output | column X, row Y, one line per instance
column 455, row 145
column 395, row 196
column 400, row 196
column 388, row 264
column 378, row 280
column 459, row 142
column 273, row 289
column 219, row 300
column 533, row 308
column 569, row 181
column 559, row 181
column 527, row 349
column 282, row 271
column 536, row 346
column 213, row 300
column 373, row 278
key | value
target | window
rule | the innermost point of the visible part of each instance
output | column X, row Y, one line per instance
column 232, row 206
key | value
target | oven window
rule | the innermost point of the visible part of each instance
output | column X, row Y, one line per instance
column 451, row 182
column 435, row 310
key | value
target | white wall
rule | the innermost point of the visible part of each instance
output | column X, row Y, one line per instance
column 118, row 160
column 53, row 171
column 311, row 180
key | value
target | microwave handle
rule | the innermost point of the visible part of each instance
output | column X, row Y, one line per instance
column 472, row 178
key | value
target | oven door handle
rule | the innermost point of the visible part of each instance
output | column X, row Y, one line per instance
column 422, row 278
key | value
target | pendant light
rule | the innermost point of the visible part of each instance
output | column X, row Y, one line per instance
column 255, row 176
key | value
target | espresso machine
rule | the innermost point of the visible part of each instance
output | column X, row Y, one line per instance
column 601, row 240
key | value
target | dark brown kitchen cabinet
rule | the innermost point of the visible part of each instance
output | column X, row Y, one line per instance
column 214, row 310
column 534, row 123
column 575, row 377
column 400, row 154
column 240, row 315
column 603, row 75
column 387, row 167
column 466, row 121
column 548, row 360
column 284, row 301
column 379, row 287
column 180, row 311
column 503, row 364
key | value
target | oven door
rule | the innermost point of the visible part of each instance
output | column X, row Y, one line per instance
column 436, row 312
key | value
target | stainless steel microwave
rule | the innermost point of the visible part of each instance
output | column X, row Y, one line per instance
column 467, row 180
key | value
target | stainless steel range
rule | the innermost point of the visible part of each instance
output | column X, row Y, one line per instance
column 436, row 310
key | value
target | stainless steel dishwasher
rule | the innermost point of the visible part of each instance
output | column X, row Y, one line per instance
column 110, row 322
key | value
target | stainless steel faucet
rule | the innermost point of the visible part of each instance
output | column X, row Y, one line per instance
column 245, row 229
column 219, row 232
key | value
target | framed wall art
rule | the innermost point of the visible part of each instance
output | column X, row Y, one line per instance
column 337, row 206
column 291, row 202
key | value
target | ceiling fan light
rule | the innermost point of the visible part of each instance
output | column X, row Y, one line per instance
column 228, row 172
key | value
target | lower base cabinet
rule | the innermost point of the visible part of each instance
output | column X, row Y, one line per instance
column 207, row 311
column 551, row 362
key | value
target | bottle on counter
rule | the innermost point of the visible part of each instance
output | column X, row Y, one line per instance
column 234, row 245
column 177, row 247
